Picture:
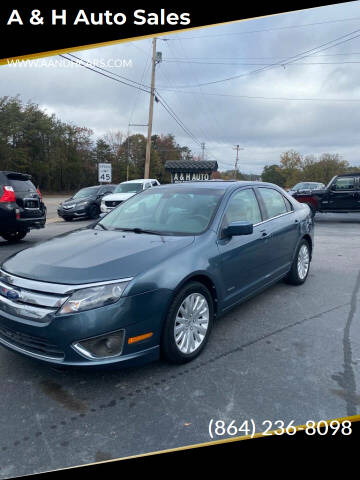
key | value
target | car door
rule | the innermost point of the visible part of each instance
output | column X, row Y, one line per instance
column 241, row 257
column 282, row 229
column 344, row 194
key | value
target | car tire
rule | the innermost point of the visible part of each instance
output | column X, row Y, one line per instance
column 94, row 211
column 68, row 219
column 301, row 264
column 184, row 337
column 13, row 237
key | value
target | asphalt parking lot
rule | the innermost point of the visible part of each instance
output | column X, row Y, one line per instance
column 291, row 353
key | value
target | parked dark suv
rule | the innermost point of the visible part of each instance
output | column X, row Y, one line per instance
column 21, row 206
column 85, row 203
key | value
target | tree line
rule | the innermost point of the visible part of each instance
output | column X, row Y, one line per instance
column 294, row 168
column 62, row 157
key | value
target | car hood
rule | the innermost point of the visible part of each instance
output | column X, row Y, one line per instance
column 118, row 196
column 73, row 201
column 87, row 256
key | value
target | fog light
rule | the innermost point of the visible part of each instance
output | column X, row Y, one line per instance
column 101, row 347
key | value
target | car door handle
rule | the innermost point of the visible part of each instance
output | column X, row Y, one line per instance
column 264, row 234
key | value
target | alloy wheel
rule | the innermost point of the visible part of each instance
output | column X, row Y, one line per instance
column 303, row 261
column 191, row 323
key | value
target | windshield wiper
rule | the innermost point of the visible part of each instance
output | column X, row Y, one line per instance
column 139, row 230
column 102, row 226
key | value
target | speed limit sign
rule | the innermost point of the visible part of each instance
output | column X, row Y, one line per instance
column 104, row 172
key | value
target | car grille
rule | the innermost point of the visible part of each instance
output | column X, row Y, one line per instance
column 28, row 303
column 112, row 203
column 32, row 344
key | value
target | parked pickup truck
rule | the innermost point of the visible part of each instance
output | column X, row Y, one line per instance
column 342, row 195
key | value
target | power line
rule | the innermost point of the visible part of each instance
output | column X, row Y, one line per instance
column 103, row 74
column 267, row 98
column 167, row 107
column 161, row 99
column 260, row 64
column 264, row 29
column 291, row 59
column 200, row 128
column 260, row 58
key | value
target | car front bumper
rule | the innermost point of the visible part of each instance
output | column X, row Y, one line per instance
column 53, row 341
column 73, row 212
column 105, row 209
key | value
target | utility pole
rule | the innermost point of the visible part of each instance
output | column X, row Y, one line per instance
column 237, row 148
column 203, row 150
column 155, row 60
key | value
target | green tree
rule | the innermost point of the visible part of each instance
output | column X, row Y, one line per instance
column 274, row 174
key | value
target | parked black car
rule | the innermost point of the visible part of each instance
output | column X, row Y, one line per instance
column 85, row 203
column 342, row 195
column 21, row 206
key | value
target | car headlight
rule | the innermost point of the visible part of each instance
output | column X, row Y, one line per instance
column 81, row 204
column 93, row 297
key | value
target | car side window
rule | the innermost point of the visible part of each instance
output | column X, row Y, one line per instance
column 344, row 183
column 154, row 183
column 274, row 202
column 288, row 204
column 243, row 206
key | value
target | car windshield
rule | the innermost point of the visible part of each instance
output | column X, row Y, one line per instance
column 299, row 186
column 128, row 188
column 86, row 192
column 166, row 211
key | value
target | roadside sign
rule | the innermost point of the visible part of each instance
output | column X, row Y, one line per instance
column 104, row 172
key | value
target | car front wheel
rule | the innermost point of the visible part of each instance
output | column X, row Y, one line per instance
column 94, row 211
column 188, row 323
column 301, row 264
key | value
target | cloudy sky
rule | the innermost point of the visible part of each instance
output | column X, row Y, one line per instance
column 311, row 104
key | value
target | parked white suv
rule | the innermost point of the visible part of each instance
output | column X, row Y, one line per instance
column 124, row 191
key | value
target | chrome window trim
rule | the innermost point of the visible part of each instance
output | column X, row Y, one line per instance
column 273, row 218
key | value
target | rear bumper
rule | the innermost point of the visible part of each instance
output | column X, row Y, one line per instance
column 28, row 219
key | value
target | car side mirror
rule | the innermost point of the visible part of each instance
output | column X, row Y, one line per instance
column 235, row 229
column 333, row 188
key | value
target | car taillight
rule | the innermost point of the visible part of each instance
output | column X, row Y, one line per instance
column 8, row 195
column 39, row 193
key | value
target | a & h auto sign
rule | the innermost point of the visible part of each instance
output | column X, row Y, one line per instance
column 190, row 171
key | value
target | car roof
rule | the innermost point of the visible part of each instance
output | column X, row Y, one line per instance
column 221, row 185
column 141, row 180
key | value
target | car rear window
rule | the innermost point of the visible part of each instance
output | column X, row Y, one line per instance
column 22, row 185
